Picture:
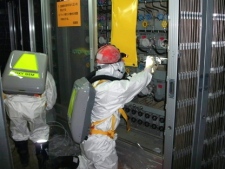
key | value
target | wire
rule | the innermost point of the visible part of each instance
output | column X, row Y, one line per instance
column 156, row 51
column 61, row 126
column 142, row 49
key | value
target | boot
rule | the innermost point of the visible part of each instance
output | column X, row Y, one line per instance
column 69, row 162
column 22, row 149
column 42, row 154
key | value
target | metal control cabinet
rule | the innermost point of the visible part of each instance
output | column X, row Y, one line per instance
column 194, row 129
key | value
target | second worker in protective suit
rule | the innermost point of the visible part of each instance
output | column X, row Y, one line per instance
column 25, row 109
column 98, row 150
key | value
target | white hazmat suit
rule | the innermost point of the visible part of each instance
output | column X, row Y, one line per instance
column 23, row 109
column 98, row 151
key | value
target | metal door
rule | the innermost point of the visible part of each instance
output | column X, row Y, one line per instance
column 70, row 47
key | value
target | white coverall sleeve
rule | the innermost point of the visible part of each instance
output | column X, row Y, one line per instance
column 51, row 93
column 128, row 89
column 145, row 90
column 113, row 95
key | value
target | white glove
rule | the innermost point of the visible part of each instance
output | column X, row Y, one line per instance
column 150, row 64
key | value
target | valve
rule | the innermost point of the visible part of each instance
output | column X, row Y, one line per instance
column 148, row 17
column 133, row 111
column 160, row 16
column 140, row 113
column 145, row 42
column 154, row 118
column 127, row 109
column 147, row 116
column 101, row 40
column 133, row 119
column 164, row 24
column 154, row 126
column 145, row 24
column 161, row 128
column 147, row 124
column 141, row 17
column 162, row 120
column 140, row 121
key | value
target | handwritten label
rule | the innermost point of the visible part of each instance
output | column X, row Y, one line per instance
column 68, row 13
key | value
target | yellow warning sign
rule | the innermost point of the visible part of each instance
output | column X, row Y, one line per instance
column 27, row 62
column 24, row 74
column 68, row 13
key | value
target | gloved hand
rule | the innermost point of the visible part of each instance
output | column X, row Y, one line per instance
column 150, row 64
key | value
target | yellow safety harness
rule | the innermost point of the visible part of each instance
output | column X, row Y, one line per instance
column 110, row 132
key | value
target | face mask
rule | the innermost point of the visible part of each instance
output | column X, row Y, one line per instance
column 116, row 69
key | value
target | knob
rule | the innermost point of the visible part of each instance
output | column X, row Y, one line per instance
column 162, row 120
column 147, row 124
column 133, row 119
column 133, row 111
column 154, row 118
column 154, row 126
column 161, row 128
column 140, row 113
column 127, row 109
column 140, row 121
column 147, row 116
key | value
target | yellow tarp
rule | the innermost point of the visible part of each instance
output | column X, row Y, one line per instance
column 123, row 33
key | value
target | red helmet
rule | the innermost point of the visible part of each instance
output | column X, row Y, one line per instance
column 108, row 54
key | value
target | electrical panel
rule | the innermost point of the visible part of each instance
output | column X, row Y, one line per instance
column 151, row 28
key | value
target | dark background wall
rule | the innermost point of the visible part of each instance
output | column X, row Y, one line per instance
column 4, row 34
column 19, row 28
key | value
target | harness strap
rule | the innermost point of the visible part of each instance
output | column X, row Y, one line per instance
column 123, row 113
column 109, row 133
column 99, row 82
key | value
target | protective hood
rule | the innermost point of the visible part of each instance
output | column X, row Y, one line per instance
column 116, row 69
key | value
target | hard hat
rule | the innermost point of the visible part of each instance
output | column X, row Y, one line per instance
column 108, row 54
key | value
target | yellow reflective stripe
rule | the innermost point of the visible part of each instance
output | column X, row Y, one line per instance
column 24, row 74
column 71, row 104
column 123, row 113
column 27, row 62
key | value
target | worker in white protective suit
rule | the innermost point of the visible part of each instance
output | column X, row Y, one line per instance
column 23, row 110
column 98, row 150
